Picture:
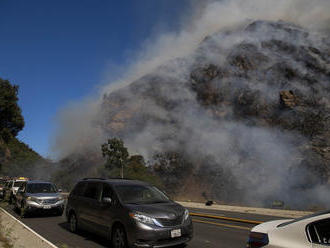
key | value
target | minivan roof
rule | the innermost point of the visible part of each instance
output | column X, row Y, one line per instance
column 115, row 181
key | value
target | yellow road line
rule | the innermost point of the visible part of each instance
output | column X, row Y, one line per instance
column 225, row 218
column 223, row 225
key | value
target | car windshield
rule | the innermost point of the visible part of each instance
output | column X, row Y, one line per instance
column 18, row 184
column 41, row 188
column 140, row 194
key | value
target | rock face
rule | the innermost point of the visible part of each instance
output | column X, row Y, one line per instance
column 249, row 111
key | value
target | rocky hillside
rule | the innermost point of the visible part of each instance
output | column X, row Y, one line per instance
column 245, row 118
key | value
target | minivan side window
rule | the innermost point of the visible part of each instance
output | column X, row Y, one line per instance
column 93, row 190
column 107, row 191
column 79, row 190
column 318, row 232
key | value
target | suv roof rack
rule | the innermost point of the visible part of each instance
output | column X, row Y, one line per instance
column 121, row 178
column 87, row 178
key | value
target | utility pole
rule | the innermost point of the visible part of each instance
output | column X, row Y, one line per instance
column 122, row 171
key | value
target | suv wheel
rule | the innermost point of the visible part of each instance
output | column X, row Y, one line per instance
column 118, row 239
column 73, row 223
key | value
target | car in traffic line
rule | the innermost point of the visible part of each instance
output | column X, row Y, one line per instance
column 308, row 231
column 39, row 196
column 2, row 187
column 12, row 188
column 129, row 213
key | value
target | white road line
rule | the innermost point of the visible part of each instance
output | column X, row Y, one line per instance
column 38, row 235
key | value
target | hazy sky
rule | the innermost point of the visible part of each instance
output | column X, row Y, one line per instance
column 59, row 51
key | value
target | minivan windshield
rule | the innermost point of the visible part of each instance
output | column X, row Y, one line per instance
column 35, row 188
column 140, row 194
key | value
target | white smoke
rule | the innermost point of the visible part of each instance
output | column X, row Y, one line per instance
column 79, row 124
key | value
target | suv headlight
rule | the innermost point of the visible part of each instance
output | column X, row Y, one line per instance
column 60, row 198
column 142, row 218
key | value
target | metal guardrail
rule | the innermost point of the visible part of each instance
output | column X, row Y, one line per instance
column 225, row 218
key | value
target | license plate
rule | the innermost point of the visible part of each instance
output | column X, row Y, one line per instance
column 176, row 233
column 47, row 207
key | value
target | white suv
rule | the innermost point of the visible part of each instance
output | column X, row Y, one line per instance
column 13, row 188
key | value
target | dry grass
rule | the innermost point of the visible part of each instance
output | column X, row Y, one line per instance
column 4, row 236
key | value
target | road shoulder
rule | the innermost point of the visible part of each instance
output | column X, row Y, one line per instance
column 17, row 235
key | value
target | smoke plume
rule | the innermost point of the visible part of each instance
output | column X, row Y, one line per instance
column 211, row 91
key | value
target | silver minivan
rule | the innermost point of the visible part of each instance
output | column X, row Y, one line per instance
column 129, row 213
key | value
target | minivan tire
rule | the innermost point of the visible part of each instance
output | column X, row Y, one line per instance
column 73, row 223
column 118, row 237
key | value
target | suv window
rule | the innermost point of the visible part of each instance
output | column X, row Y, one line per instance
column 35, row 188
column 318, row 232
column 18, row 183
column 23, row 187
column 93, row 190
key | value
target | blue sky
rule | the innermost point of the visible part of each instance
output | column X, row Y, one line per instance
column 57, row 51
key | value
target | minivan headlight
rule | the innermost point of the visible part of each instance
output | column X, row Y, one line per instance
column 142, row 218
column 186, row 214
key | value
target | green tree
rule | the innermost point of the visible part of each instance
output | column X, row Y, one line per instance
column 11, row 119
column 116, row 154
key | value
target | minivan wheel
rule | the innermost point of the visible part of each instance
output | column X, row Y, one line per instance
column 73, row 223
column 118, row 239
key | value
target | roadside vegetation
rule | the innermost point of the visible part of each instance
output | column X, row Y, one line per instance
column 120, row 164
column 15, row 156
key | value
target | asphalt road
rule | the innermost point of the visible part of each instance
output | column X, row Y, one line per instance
column 208, row 233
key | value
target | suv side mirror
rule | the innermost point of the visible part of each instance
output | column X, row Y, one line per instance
column 59, row 190
column 107, row 200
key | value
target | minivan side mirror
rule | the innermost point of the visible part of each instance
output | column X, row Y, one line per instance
column 107, row 200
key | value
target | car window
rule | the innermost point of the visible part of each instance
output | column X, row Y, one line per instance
column 140, row 194
column 303, row 218
column 107, row 191
column 23, row 187
column 18, row 184
column 79, row 190
column 319, row 232
column 93, row 190
column 36, row 188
